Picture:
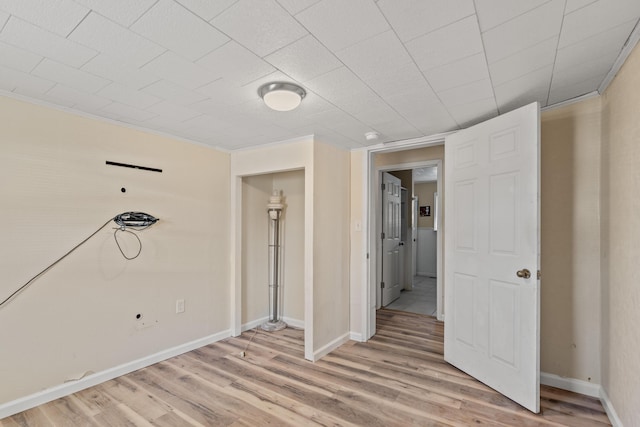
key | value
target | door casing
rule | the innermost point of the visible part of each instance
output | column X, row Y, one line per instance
column 370, row 295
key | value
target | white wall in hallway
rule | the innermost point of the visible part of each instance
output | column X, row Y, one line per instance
column 427, row 252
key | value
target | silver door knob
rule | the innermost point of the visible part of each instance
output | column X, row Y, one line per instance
column 524, row 273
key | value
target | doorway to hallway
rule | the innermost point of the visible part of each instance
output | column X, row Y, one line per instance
column 417, row 245
column 422, row 299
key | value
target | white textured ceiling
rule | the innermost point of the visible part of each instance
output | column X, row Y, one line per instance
column 403, row 68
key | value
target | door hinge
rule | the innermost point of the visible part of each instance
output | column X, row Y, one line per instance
column 383, row 186
column 539, row 275
column 382, row 285
column 382, row 235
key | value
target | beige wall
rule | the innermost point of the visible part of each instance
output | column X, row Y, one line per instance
column 570, row 241
column 331, row 245
column 621, row 241
column 409, row 156
column 255, row 224
column 292, row 186
column 358, row 241
column 424, row 192
column 326, row 232
column 255, row 238
column 56, row 190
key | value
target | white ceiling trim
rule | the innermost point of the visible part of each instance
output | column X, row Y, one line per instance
column 619, row 62
column 570, row 101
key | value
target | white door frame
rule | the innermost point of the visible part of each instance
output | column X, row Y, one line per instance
column 439, row 248
column 372, row 178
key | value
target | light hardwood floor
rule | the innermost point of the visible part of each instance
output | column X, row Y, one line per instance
column 398, row 378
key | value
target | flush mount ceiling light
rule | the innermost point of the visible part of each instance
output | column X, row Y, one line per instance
column 281, row 96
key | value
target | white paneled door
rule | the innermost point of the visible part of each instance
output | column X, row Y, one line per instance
column 492, row 297
column 391, row 241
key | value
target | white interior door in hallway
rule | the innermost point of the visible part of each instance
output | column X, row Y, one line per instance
column 492, row 298
column 391, row 241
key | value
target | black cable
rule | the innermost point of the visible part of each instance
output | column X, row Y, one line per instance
column 123, row 228
column 54, row 263
column 118, row 243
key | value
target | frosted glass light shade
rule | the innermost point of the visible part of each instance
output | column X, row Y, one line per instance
column 281, row 96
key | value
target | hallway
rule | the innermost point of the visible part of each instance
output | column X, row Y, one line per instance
column 421, row 300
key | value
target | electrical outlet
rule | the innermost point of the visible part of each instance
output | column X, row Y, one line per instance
column 179, row 306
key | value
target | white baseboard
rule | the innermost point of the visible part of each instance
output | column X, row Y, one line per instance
column 609, row 409
column 294, row 323
column 56, row 392
column 254, row 323
column 330, row 346
column 356, row 336
column 570, row 384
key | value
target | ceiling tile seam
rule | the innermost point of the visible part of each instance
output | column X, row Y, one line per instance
column 295, row 41
column 450, row 62
column 195, row 61
column 299, row 12
column 138, row 18
column 580, row 8
column 467, row 83
column 249, row 49
column 428, row 32
column 426, row 80
column 601, row 33
column 223, row 10
column 44, row 30
column 128, row 104
column 108, row 81
column 165, row 47
column 516, row 16
column 528, row 47
column 413, row 60
column 344, row 47
column 529, row 72
column 337, row 108
column 154, row 58
column 37, row 65
column 4, row 24
column 344, row 65
column 203, row 20
column 422, row 71
column 142, row 88
column 555, row 57
column 231, row 39
column 87, row 61
column 72, row 30
column 126, row 29
column 78, row 23
column 381, row 99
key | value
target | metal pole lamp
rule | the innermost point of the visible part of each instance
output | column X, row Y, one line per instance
column 274, row 209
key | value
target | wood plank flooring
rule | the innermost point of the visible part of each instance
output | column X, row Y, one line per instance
column 398, row 378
